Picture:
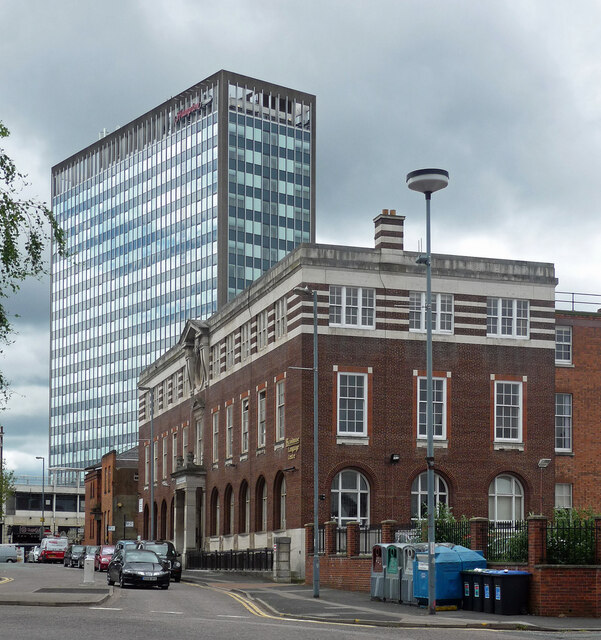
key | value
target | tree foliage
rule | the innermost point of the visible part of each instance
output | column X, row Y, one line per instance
column 7, row 487
column 26, row 228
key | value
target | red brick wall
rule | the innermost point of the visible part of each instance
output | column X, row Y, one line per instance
column 569, row 591
column 583, row 381
column 340, row 572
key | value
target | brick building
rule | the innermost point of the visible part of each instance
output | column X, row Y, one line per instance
column 232, row 425
column 111, row 490
column 578, row 409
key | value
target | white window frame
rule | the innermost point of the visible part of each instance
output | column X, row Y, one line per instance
column 419, row 494
column 439, row 397
column 563, row 422
column 280, row 409
column 215, row 423
column 261, row 418
column 155, row 461
column 229, row 351
column 503, row 411
column 342, row 410
column 281, row 309
column 173, row 452
column 229, row 430
column 561, row 333
column 516, row 495
column 165, row 457
column 417, row 312
column 360, row 489
column 360, row 315
column 244, row 425
column 245, row 332
column 563, row 495
column 262, row 325
column 146, row 464
column 504, row 316
column 282, row 497
column 216, row 360
column 199, row 441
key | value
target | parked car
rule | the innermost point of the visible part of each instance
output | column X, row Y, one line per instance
column 73, row 554
column 53, row 549
column 8, row 553
column 167, row 553
column 123, row 544
column 137, row 567
column 89, row 552
column 103, row 556
column 34, row 554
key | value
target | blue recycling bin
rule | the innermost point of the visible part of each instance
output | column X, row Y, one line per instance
column 450, row 560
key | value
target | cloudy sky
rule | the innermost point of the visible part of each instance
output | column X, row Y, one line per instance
column 505, row 95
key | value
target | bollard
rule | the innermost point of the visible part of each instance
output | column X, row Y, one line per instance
column 88, row 571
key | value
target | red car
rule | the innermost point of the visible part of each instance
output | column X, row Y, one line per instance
column 103, row 557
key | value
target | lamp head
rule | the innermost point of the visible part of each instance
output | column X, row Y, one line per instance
column 428, row 180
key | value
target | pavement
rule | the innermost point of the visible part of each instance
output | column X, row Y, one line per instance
column 25, row 584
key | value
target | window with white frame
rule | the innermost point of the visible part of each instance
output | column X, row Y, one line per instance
column 442, row 312
column 563, row 345
column 280, row 413
column 280, row 318
column 507, row 318
column 184, row 442
column 505, row 499
column 352, row 404
column 215, row 436
column 215, row 360
column 508, row 411
column 245, row 341
column 439, row 404
column 199, row 441
column 282, row 504
column 229, row 351
column 165, row 456
column 350, row 498
column 352, row 307
column 155, row 459
column 563, row 422
column 262, row 330
column 173, row 452
column 229, row 430
column 146, row 464
column 563, row 496
column 244, row 426
column 261, row 424
column 419, row 494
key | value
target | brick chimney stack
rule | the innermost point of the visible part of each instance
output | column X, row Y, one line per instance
column 389, row 230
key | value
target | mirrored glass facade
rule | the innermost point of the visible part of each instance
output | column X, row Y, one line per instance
column 167, row 218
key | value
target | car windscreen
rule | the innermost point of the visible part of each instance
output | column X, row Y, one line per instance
column 159, row 549
column 140, row 555
column 107, row 551
column 77, row 548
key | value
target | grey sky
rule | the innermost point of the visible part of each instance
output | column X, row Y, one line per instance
column 505, row 95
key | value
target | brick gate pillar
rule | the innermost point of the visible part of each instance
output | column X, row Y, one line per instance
column 330, row 537
column 479, row 534
column 352, row 539
column 537, row 540
column 388, row 530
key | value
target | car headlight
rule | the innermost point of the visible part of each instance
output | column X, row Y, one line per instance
column 176, row 564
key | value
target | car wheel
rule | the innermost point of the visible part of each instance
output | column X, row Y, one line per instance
column 177, row 578
column 109, row 581
column 165, row 586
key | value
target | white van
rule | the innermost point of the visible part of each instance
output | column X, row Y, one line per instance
column 8, row 553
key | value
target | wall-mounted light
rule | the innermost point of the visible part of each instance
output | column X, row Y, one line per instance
column 289, row 469
column 395, row 458
column 543, row 463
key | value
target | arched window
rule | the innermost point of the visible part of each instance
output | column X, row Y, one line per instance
column 214, row 521
column 163, row 528
column 419, row 494
column 279, row 503
column 505, row 499
column 244, row 509
column 350, row 498
column 261, row 502
column 228, row 515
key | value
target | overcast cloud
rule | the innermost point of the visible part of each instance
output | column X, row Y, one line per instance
column 504, row 95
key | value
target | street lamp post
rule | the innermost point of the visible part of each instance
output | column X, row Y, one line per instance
column 312, row 292
column 43, row 492
column 427, row 181
column 151, row 389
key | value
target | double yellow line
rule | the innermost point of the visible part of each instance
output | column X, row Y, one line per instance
column 5, row 580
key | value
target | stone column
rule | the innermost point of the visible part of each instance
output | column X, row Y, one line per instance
column 388, row 531
column 352, row 539
column 330, row 538
column 537, row 540
column 281, row 560
column 479, row 534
